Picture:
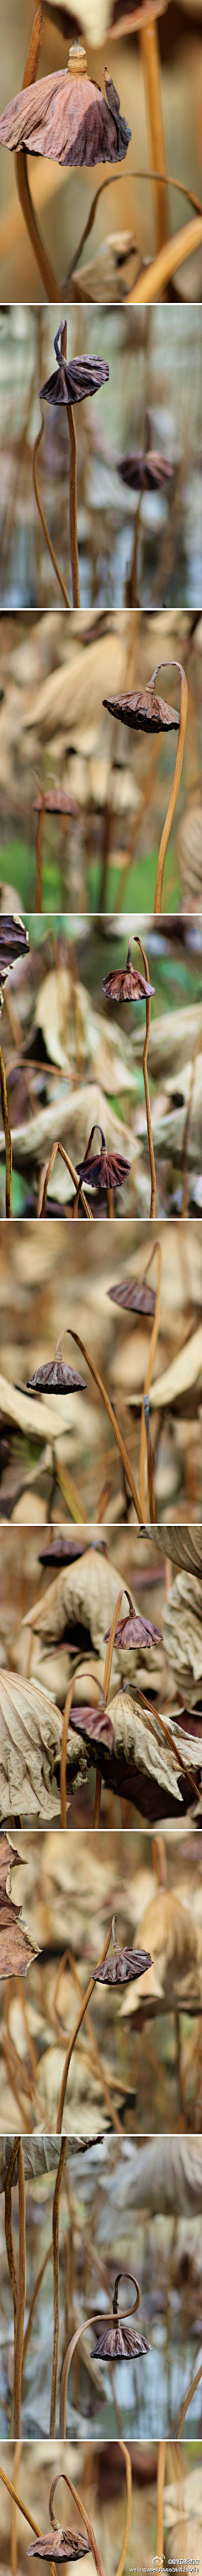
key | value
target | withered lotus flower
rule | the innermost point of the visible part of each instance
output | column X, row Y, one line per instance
column 148, row 472
column 136, row 1296
column 13, row 941
column 118, row 2341
column 106, row 1170
column 144, row 711
column 67, row 2545
column 125, row 1965
column 95, row 1724
column 134, row 1631
column 66, row 118
column 125, row 984
column 64, row 1551
column 58, row 1379
column 73, row 379
column 55, row 800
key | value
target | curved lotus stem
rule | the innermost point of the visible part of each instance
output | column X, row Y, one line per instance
column 28, row 211
column 152, row 79
column 126, row 2457
column 99, row 1382
column 156, row 1247
column 7, row 1134
column 172, row 256
column 95, row 2320
column 48, row 539
column 146, row 1084
column 77, row 2499
column 85, row 2000
column 176, row 666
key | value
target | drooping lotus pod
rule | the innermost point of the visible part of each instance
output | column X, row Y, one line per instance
column 144, row 711
column 66, row 118
column 124, row 1965
column 119, row 2341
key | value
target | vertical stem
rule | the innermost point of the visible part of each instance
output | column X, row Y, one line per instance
column 7, row 1134
column 150, row 1364
column 152, row 79
column 77, row 2499
column 21, row 2294
column 160, row 2496
column 126, row 2457
column 56, row 2282
column 80, row 2018
column 73, row 508
column 9, row 2240
column 38, row 903
column 63, row 1760
column 178, row 666
column 14, row 2512
column 146, row 1085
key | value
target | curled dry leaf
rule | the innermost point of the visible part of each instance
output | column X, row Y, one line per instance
column 137, row 1737
column 183, row 1637
column 183, row 1545
column 30, row 1741
column 16, row 1952
column 176, row 1950
column 87, row 1589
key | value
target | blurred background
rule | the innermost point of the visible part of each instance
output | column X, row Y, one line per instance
column 63, row 198
column 98, row 2472
column 55, row 671
column 145, row 2073
column 122, row 2203
column 155, row 369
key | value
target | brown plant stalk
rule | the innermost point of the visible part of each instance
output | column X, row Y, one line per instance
column 7, row 1134
column 77, row 2499
column 72, row 488
column 57, row 1148
column 126, row 2456
column 177, row 666
column 72, row 2041
column 9, row 2239
column 27, row 208
column 102, row 1390
column 193, row 2384
column 28, row 2517
column 149, row 1371
column 14, row 2533
column 56, row 2283
column 160, row 2496
column 94, row 2050
column 172, row 256
column 152, row 83
column 19, row 2339
column 48, row 539
column 146, row 1084
column 63, row 1757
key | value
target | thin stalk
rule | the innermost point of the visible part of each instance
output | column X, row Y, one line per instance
column 146, row 1085
column 147, row 1382
column 193, row 2384
column 7, row 1134
column 102, row 1390
column 170, row 1739
column 37, row 2287
column 77, row 2499
column 132, row 600
column 57, row 1148
column 41, row 255
column 9, row 2240
column 73, row 508
column 150, row 1462
column 28, row 2517
column 39, row 838
column 56, row 2284
column 172, row 256
column 18, row 2360
column 160, row 2497
column 126, row 2457
column 14, row 2542
column 72, row 2041
column 63, row 1767
column 152, row 80
column 95, row 2056
column 177, row 666
column 48, row 539
column 110, row 1645
column 94, row 2320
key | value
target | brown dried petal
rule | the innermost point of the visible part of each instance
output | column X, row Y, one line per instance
column 67, row 120
column 137, row 1297
column 124, row 1965
column 73, row 380
column 135, row 1631
column 59, row 2545
column 16, row 1953
column 125, row 984
column 60, row 1380
column 144, row 711
column 119, row 2342
column 13, row 940
column 148, row 472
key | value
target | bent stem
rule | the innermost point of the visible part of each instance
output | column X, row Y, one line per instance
column 57, row 1148
column 48, row 539
column 95, row 2056
column 172, row 256
column 56, row 2283
column 126, row 2457
column 152, row 1354
column 102, row 1390
column 7, row 1134
column 152, row 80
column 94, row 2320
column 193, row 2384
column 28, row 212
column 71, row 2044
column 28, row 2517
column 77, row 2499
column 177, row 666
column 146, row 1084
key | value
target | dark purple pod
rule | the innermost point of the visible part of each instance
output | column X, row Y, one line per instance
column 58, row 1379
column 106, row 1170
column 124, row 1965
column 125, row 984
column 61, row 2545
column 135, row 1631
column 136, row 1296
column 147, row 472
column 73, row 379
column 144, row 711
column 66, row 118
column 119, row 2343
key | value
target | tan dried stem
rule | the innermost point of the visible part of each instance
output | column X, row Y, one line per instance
column 106, row 1682
column 9, row 2239
column 146, row 1084
column 72, row 2041
column 63, row 1760
column 37, row 2287
column 24, row 2508
column 152, row 81
column 160, row 2497
column 77, row 2499
column 94, row 2320
column 14, row 2536
column 193, row 2384
column 156, row 1248
column 48, row 539
column 126, row 2456
column 72, row 487
column 19, row 2339
column 27, row 208
column 56, row 2284
column 7, row 1134
column 94, row 2050
column 177, row 666
column 153, row 279
column 57, row 1148
column 109, row 1408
